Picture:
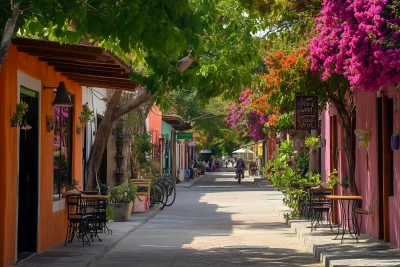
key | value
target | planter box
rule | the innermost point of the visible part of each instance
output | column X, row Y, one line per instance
column 122, row 211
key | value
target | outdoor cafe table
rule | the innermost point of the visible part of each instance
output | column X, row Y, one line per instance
column 348, row 215
column 93, row 205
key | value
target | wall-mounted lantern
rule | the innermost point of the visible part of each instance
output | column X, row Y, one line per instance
column 63, row 98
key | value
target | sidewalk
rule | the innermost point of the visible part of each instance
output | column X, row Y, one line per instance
column 368, row 252
column 321, row 243
column 74, row 255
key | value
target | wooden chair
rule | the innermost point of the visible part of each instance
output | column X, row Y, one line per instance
column 144, row 186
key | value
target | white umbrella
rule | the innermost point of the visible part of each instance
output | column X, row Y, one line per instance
column 205, row 151
column 243, row 151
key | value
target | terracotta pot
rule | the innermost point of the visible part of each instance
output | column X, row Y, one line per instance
column 63, row 190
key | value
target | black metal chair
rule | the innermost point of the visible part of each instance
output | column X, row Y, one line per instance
column 78, row 221
column 101, row 215
column 320, row 207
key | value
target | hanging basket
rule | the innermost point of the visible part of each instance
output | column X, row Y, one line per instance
column 363, row 137
column 395, row 142
column 14, row 123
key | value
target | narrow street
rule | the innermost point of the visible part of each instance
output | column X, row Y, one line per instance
column 217, row 222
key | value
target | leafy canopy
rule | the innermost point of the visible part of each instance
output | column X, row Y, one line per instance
column 156, row 35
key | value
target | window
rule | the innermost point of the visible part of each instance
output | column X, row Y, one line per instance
column 62, row 151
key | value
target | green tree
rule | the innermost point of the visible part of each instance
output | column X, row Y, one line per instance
column 206, row 45
column 208, row 120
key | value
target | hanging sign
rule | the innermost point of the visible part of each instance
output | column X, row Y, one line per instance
column 306, row 112
column 184, row 136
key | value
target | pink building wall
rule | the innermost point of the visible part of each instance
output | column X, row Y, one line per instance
column 394, row 201
column 367, row 163
column 325, row 157
column 366, row 160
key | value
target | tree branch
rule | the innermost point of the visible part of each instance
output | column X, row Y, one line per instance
column 184, row 63
column 141, row 97
column 8, row 32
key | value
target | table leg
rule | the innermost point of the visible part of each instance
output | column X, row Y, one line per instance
column 356, row 229
column 343, row 214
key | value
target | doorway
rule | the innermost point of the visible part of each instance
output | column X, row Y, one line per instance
column 28, row 177
column 385, row 163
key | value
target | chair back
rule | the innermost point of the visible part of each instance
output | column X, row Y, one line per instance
column 74, row 205
column 317, row 197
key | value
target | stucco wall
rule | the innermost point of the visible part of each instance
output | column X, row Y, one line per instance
column 325, row 157
column 366, row 159
column 52, row 225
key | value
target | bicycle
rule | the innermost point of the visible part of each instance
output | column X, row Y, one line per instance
column 170, row 189
column 240, row 174
column 157, row 194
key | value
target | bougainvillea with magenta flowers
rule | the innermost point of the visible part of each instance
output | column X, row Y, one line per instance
column 242, row 118
column 359, row 39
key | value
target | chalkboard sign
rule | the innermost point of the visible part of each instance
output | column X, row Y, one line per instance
column 306, row 112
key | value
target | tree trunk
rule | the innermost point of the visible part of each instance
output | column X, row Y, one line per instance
column 8, row 32
column 113, row 112
column 345, row 122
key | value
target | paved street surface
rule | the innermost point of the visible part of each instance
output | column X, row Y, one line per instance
column 217, row 222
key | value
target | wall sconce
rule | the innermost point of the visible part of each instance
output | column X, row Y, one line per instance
column 62, row 98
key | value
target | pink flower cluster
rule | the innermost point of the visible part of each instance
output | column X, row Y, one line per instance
column 241, row 117
column 359, row 39
column 255, row 126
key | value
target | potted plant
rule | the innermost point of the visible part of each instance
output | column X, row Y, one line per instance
column 121, row 199
column 395, row 140
column 87, row 115
column 17, row 117
column 333, row 178
column 49, row 123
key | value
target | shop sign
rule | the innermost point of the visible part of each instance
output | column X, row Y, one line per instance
column 184, row 136
column 306, row 112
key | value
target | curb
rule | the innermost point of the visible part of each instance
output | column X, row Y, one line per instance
column 192, row 184
column 195, row 182
column 106, row 249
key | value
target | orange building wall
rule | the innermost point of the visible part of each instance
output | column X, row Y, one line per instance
column 155, row 123
column 52, row 226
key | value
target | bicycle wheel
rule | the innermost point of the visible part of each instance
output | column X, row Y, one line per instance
column 164, row 195
column 239, row 176
column 171, row 190
column 156, row 197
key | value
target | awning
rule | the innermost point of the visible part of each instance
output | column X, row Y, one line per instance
column 243, row 151
column 87, row 65
column 177, row 122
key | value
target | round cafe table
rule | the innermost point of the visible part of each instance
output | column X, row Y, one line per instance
column 347, row 215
